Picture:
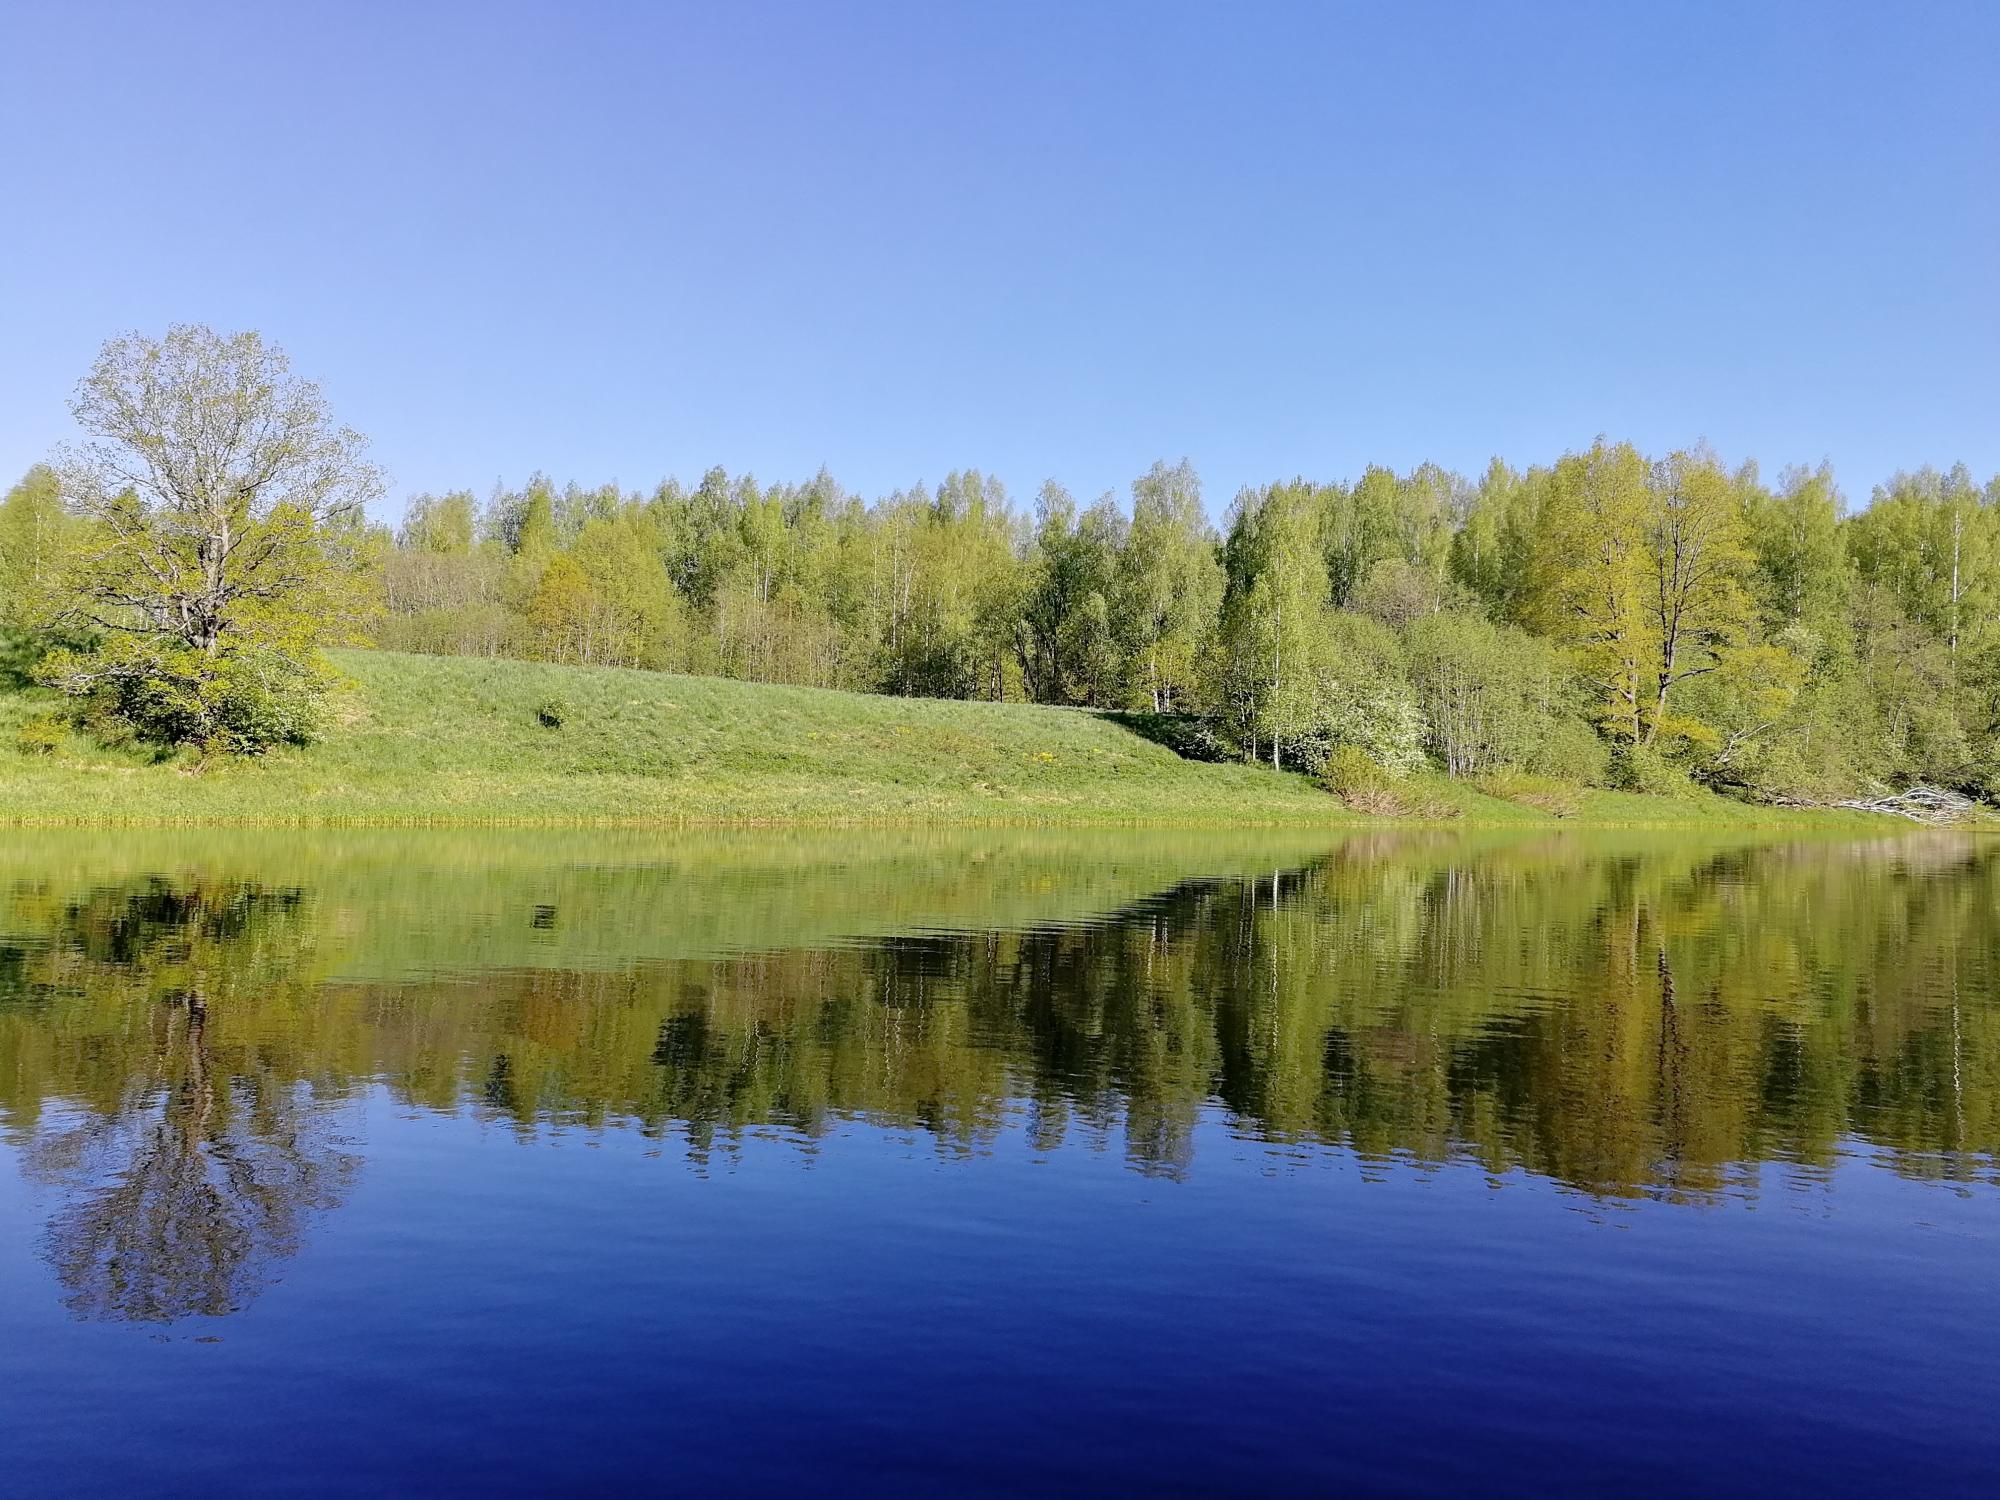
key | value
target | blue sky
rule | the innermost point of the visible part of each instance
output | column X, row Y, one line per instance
column 621, row 241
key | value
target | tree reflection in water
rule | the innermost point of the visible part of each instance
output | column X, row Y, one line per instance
column 181, row 1198
column 1657, row 1022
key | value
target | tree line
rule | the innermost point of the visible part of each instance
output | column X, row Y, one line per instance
column 1609, row 617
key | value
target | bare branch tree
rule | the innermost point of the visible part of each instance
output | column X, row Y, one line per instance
column 218, row 482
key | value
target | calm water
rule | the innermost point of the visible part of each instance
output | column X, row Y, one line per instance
column 999, row 1163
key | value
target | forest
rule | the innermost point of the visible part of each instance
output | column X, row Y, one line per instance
column 1606, row 617
column 1610, row 618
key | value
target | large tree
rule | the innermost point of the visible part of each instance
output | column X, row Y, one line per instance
column 224, row 535
column 1593, row 577
column 223, row 495
column 1696, row 563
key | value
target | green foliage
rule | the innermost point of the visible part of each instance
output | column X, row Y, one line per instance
column 1491, row 695
column 1560, row 799
column 1349, row 689
column 440, row 524
column 1368, row 787
column 552, row 713
column 1067, row 649
column 1169, row 589
column 429, row 740
column 1648, row 770
column 1800, row 551
column 1350, row 770
column 43, row 734
column 208, row 535
column 1543, row 621
column 37, row 550
column 1754, row 638
column 1571, row 752
column 243, row 701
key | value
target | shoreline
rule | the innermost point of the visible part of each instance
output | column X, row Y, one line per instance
column 1671, row 816
column 452, row 743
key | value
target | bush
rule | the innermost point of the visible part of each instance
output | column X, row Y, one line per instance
column 1569, row 750
column 41, row 735
column 1350, row 770
column 1353, row 776
column 241, row 701
column 1642, row 768
column 552, row 714
column 1495, row 696
column 1378, row 722
column 1349, row 691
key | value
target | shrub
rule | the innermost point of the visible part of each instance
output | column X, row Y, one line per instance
column 242, row 701
column 1495, row 696
column 552, row 714
column 1569, row 750
column 1348, row 690
column 1349, row 770
column 1642, row 768
column 41, row 735
column 1376, row 721
column 1352, row 775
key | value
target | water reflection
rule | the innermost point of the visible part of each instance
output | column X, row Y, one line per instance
column 185, row 1169
column 178, row 1052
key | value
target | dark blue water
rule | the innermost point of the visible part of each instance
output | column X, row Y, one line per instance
column 1239, row 1185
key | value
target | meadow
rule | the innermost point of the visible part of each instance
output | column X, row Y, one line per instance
column 422, row 741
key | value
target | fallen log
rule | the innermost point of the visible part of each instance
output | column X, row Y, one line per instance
column 1920, row 804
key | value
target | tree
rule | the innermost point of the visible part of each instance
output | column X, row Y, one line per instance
column 562, row 612
column 1748, row 636
column 1799, row 550
column 1696, row 561
column 36, row 536
column 1357, row 528
column 1169, row 585
column 1493, row 696
column 635, row 612
column 222, row 496
column 1591, row 587
column 444, row 524
column 1929, row 539
column 1487, row 550
column 1065, row 643
column 224, row 537
column 535, row 536
column 32, row 524
column 1273, row 612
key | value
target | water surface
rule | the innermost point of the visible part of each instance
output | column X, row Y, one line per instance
column 998, row 1162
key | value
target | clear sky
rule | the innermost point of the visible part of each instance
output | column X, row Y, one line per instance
column 1041, row 239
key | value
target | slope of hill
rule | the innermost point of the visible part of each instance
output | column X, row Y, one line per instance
column 455, row 741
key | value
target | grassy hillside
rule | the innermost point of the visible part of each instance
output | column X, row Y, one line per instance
column 453, row 741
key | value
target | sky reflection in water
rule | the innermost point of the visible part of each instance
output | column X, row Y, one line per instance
column 1237, row 1162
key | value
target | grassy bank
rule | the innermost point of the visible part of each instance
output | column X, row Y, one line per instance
column 427, row 740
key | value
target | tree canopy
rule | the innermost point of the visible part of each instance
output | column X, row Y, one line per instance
column 215, row 531
column 1607, row 614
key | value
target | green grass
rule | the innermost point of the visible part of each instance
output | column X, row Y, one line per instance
column 429, row 740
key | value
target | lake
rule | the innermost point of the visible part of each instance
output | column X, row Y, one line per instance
column 999, row 1162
